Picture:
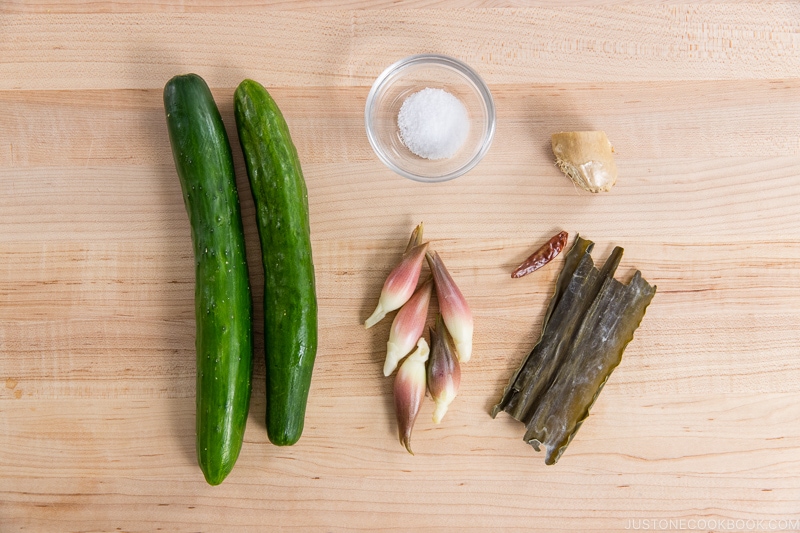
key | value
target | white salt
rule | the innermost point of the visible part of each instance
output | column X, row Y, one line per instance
column 433, row 123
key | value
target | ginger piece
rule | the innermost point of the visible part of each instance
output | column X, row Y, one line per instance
column 586, row 157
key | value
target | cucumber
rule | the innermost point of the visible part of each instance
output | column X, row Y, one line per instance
column 223, row 303
column 290, row 302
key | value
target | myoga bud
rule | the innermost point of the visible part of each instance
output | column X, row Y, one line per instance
column 409, row 391
column 444, row 371
column 402, row 281
column 407, row 327
column 455, row 311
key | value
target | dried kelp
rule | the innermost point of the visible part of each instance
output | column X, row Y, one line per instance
column 590, row 320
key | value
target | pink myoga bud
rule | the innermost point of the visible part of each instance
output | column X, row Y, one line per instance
column 455, row 311
column 444, row 371
column 409, row 391
column 407, row 327
column 401, row 282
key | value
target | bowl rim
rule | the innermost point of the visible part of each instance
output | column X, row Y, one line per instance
column 468, row 73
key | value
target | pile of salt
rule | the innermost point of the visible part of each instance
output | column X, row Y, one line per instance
column 433, row 123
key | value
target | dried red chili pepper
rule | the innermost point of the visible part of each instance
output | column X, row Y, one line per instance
column 542, row 256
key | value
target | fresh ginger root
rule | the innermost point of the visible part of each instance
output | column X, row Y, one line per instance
column 587, row 158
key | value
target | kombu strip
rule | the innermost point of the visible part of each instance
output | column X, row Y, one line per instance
column 589, row 322
column 579, row 249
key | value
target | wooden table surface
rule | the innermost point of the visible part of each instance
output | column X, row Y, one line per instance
column 698, row 427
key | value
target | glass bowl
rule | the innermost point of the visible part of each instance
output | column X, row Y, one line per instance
column 409, row 76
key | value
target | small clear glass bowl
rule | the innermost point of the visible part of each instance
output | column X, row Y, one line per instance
column 409, row 76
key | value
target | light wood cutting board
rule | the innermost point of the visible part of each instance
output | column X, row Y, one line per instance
column 696, row 429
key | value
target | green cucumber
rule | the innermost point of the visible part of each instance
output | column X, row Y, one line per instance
column 290, row 302
column 223, row 303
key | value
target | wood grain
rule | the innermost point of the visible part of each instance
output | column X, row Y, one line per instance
column 143, row 479
column 352, row 47
column 255, row 6
column 702, row 104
